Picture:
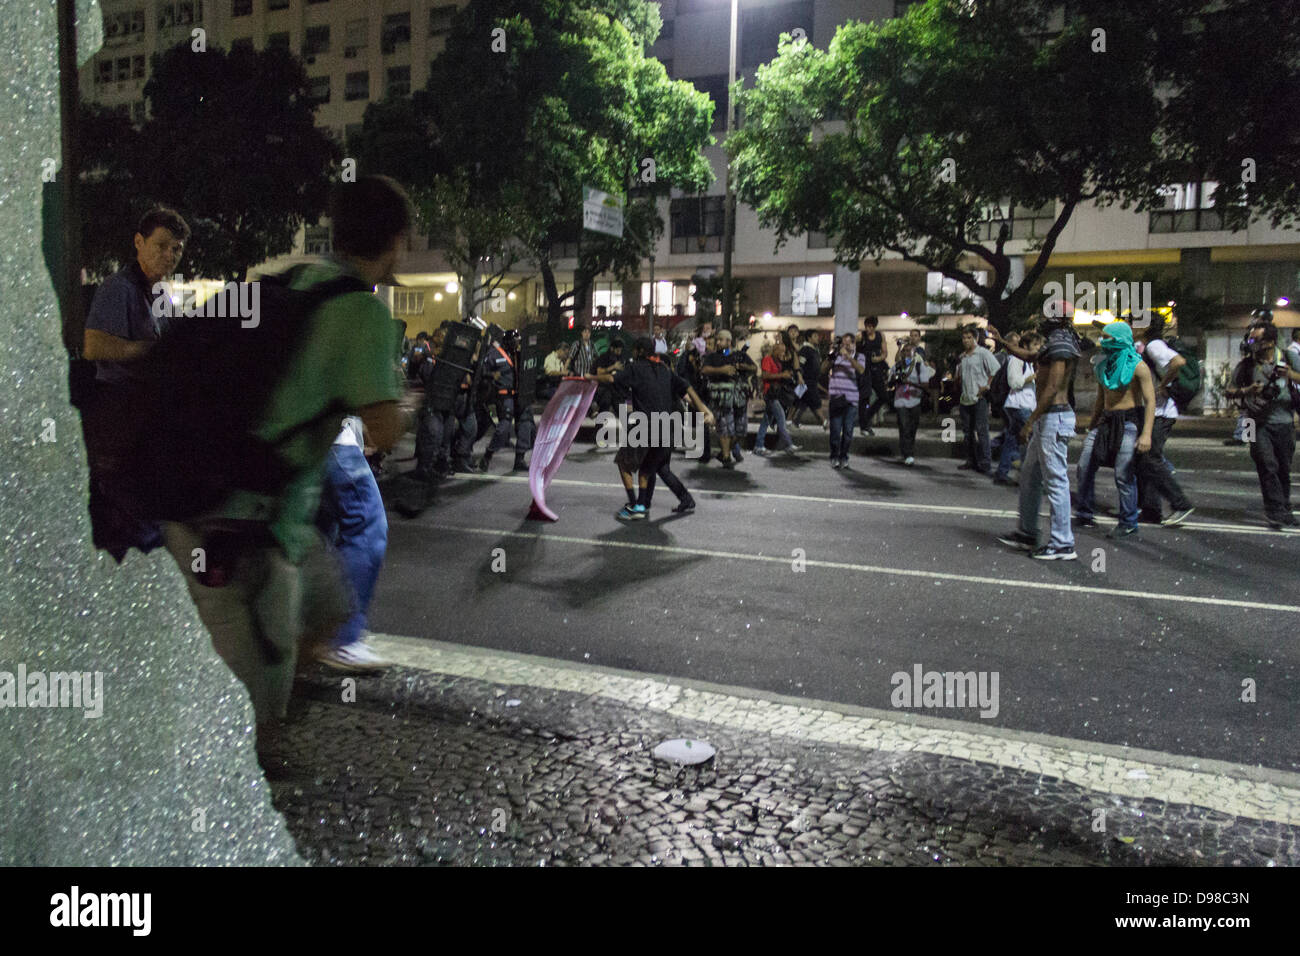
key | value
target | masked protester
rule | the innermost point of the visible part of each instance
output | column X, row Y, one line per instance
column 1121, row 427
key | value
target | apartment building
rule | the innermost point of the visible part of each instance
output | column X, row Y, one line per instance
column 358, row 51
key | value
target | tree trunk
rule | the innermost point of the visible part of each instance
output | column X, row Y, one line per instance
column 554, row 311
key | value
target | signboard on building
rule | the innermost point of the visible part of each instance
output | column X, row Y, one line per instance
column 602, row 212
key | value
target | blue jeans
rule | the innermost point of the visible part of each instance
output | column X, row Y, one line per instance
column 842, row 426
column 352, row 517
column 1046, row 468
column 775, row 414
column 1015, row 419
column 1125, row 477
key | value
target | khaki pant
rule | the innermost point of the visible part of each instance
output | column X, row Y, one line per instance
column 268, row 607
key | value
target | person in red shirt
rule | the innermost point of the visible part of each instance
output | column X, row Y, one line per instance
column 777, row 376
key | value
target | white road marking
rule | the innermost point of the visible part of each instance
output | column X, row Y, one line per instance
column 1211, row 526
column 1236, row 789
column 871, row 569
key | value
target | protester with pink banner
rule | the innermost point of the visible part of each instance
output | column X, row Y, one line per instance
column 655, row 391
column 559, row 426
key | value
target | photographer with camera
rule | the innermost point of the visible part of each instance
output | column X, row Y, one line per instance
column 1262, row 385
column 909, row 379
column 845, row 368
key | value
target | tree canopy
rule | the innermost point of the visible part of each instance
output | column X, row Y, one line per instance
column 919, row 136
column 230, row 143
column 530, row 101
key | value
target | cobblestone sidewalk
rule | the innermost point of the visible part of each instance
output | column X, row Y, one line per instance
column 429, row 768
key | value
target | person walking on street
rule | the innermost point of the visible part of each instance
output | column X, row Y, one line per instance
column 1156, row 479
column 776, row 378
column 1261, row 383
column 1122, row 422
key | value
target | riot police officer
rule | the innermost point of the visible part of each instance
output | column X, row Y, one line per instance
column 499, row 372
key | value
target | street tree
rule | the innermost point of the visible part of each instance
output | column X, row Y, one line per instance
column 924, row 136
column 231, row 142
column 530, row 101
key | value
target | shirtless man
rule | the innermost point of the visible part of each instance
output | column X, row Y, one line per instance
column 1046, row 436
column 1120, row 421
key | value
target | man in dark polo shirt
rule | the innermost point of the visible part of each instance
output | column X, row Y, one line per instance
column 120, row 329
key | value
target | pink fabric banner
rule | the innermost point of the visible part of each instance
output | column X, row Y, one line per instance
column 555, row 433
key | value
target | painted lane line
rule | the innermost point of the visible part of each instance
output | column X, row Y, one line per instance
column 1236, row 789
column 1215, row 527
column 872, row 569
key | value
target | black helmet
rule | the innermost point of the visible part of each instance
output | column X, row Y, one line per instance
column 1262, row 315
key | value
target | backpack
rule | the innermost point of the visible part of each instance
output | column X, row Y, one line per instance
column 999, row 388
column 180, row 439
column 1189, row 381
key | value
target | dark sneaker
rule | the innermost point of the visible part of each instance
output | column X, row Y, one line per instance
column 1290, row 520
column 1178, row 517
column 1018, row 539
column 685, row 507
column 736, row 456
column 1150, row 517
column 1123, row 531
column 632, row 513
column 1004, row 480
column 868, row 431
column 485, row 462
column 966, row 466
column 728, row 464
column 520, row 463
column 1048, row 553
column 1084, row 522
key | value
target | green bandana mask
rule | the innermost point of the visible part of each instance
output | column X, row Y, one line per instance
column 1116, row 369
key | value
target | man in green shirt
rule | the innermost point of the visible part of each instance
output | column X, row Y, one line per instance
column 257, row 569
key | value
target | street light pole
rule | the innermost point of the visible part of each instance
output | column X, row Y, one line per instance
column 729, row 214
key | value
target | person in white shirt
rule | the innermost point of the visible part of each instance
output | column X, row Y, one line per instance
column 660, row 342
column 909, row 377
column 976, row 367
column 1020, row 403
column 1155, row 475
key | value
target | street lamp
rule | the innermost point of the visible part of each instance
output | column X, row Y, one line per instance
column 729, row 212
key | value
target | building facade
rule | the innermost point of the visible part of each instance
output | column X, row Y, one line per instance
column 358, row 51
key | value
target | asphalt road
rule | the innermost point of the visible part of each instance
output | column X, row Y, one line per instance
column 1142, row 643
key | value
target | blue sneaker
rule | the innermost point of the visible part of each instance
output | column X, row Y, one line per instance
column 632, row 513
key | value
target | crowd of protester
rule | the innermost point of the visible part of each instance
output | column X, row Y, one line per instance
column 846, row 383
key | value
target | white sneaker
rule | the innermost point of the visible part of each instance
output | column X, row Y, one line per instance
column 793, row 449
column 909, row 461
column 355, row 658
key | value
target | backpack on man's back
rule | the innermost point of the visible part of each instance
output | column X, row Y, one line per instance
column 185, row 432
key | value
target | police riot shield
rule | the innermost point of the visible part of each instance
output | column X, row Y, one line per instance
column 532, row 351
column 455, row 363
